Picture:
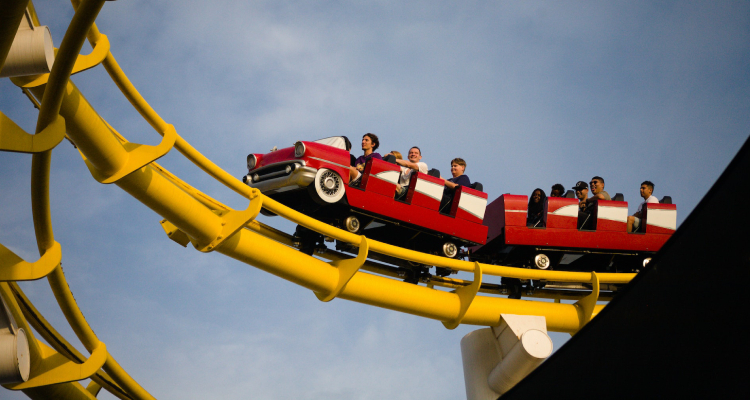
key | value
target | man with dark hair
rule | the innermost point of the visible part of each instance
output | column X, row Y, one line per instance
column 582, row 193
column 557, row 190
column 597, row 189
column 409, row 167
column 647, row 190
column 585, row 220
column 458, row 167
column 370, row 143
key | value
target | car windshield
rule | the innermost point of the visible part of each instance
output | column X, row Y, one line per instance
column 334, row 141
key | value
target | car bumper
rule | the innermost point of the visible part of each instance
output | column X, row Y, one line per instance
column 297, row 179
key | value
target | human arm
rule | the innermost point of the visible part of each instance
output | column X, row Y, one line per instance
column 461, row 180
column 599, row 196
column 409, row 164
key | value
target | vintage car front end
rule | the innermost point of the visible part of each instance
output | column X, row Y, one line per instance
column 297, row 167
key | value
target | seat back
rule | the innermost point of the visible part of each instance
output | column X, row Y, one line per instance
column 347, row 143
column 610, row 215
column 477, row 186
column 618, row 197
column 380, row 177
column 425, row 191
column 658, row 218
column 506, row 210
column 468, row 204
column 434, row 172
column 560, row 213
column 666, row 200
column 570, row 194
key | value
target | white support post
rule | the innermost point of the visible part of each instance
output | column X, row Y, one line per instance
column 15, row 362
column 497, row 358
column 32, row 51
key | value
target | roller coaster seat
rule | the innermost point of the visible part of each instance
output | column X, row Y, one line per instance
column 618, row 197
column 468, row 204
column 570, row 194
column 666, row 200
column 609, row 215
column 659, row 218
column 380, row 177
column 390, row 158
column 560, row 212
column 425, row 190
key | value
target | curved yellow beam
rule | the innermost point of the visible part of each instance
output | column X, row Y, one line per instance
column 68, row 390
column 14, row 138
column 52, row 100
column 58, row 342
column 346, row 270
column 14, row 268
column 55, row 368
column 82, row 63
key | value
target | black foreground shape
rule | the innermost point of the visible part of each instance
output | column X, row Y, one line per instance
column 680, row 328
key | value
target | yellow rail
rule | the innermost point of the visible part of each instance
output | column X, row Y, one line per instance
column 191, row 216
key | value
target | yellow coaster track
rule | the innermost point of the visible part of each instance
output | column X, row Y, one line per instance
column 193, row 217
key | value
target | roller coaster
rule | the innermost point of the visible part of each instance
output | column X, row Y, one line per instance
column 192, row 218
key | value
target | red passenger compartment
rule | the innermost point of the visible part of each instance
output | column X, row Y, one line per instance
column 506, row 210
column 380, row 177
column 560, row 213
column 425, row 191
column 610, row 216
column 659, row 218
column 469, row 204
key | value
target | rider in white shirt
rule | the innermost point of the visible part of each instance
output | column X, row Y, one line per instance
column 413, row 164
column 647, row 190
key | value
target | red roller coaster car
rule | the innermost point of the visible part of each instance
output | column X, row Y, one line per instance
column 559, row 244
column 313, row 178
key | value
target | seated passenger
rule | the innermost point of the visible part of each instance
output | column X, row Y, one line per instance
column 647, row 190
column 536, row 209
column 597, row 189
column 557, row 190
column 582, row 192
column 370, row 143
column 413, row 164
column 458, row 166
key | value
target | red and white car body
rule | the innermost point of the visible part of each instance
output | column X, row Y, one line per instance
column 607, row 246
column 313, row 177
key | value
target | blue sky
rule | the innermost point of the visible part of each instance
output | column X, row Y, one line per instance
column 529, row 93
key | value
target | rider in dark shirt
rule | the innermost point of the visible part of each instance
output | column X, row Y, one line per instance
column 370, row 143
column 458, row 166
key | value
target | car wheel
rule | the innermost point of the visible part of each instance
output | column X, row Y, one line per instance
column 329, row 186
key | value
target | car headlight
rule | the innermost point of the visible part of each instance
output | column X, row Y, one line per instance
column 299, row 149
column 251, row 161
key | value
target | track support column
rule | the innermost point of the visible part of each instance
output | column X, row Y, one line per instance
column 497, row 358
